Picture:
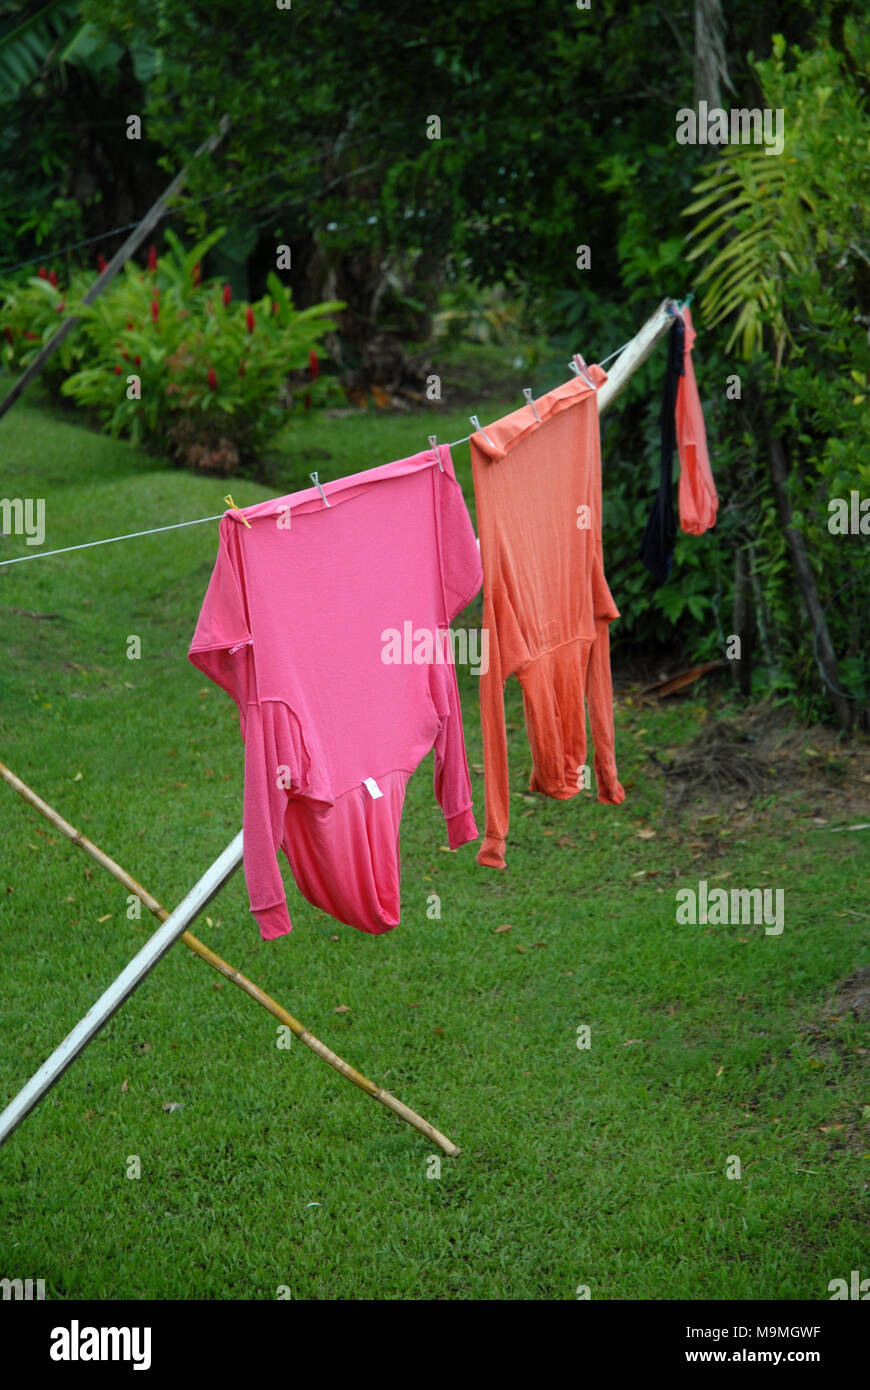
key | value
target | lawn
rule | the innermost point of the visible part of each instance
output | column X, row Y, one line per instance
column 610, row 1166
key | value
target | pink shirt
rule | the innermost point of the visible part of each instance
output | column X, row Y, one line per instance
column 293, row 627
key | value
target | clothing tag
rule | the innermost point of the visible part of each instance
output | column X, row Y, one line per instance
column 372, row 788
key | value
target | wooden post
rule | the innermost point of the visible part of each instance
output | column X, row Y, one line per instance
column 121, row 256
column 636, row 353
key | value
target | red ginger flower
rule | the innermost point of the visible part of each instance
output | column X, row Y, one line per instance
column 52, row 278
column 227, row 295
column 212, row 378
column 101, row 262
column 43, row 273
column 249, row 319
column 152, row 257
column 155, row 310
column 313, row 365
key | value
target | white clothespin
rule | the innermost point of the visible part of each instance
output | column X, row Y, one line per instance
column 433, row 444
column 579, row 368
column 316, row 481
column 527, row 392
column 477, row 425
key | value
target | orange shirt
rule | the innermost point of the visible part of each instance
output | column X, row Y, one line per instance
column 546, row 605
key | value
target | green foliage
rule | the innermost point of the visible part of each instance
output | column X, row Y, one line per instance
column 789, row 238
column 31, row 311
column 213, row 375
column 32, row 45
column 677, row 615
column 478, row 313
column 780, row 225
column 66, row 89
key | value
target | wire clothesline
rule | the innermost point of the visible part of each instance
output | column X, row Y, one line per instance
column 131, row 535
column 201, row 520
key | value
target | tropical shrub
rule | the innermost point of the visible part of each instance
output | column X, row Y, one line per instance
column 786, row 242
column 31, row 310
column 168, row 359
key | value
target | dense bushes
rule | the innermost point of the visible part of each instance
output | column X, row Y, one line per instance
column 165, row 358
column 787, row 269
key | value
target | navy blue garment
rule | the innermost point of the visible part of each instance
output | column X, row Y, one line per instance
column 659, row 536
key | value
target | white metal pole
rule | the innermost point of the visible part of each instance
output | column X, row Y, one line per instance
column 129, row 979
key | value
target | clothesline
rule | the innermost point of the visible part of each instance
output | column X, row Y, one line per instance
column 132, row 535
column 648, row 336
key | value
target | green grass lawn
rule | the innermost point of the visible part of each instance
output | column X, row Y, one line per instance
column 605, row 1166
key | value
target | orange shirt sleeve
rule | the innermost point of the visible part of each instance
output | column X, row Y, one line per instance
column 698, row 498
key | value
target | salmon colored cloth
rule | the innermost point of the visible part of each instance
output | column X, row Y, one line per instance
column 698, row 498
column 546, row 604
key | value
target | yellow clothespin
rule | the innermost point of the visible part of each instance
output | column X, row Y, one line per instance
column 230, row 503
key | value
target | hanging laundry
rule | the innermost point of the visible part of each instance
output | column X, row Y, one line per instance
column 660, row 532
column 546, row 604
column 681, row 422
column 698, row 499
column 293, row 627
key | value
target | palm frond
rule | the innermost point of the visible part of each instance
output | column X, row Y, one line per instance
column 28, row 50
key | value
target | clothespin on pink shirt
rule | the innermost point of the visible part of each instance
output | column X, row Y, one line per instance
column 433, row 444
column 315, row 478
column 231, row 504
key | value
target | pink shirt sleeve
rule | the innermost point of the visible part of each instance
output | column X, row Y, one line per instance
column 263, row 824
column 461, row 579
column 222, row 648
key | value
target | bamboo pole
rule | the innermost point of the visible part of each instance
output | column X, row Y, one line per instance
column 636, row 353
column 228, row 971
